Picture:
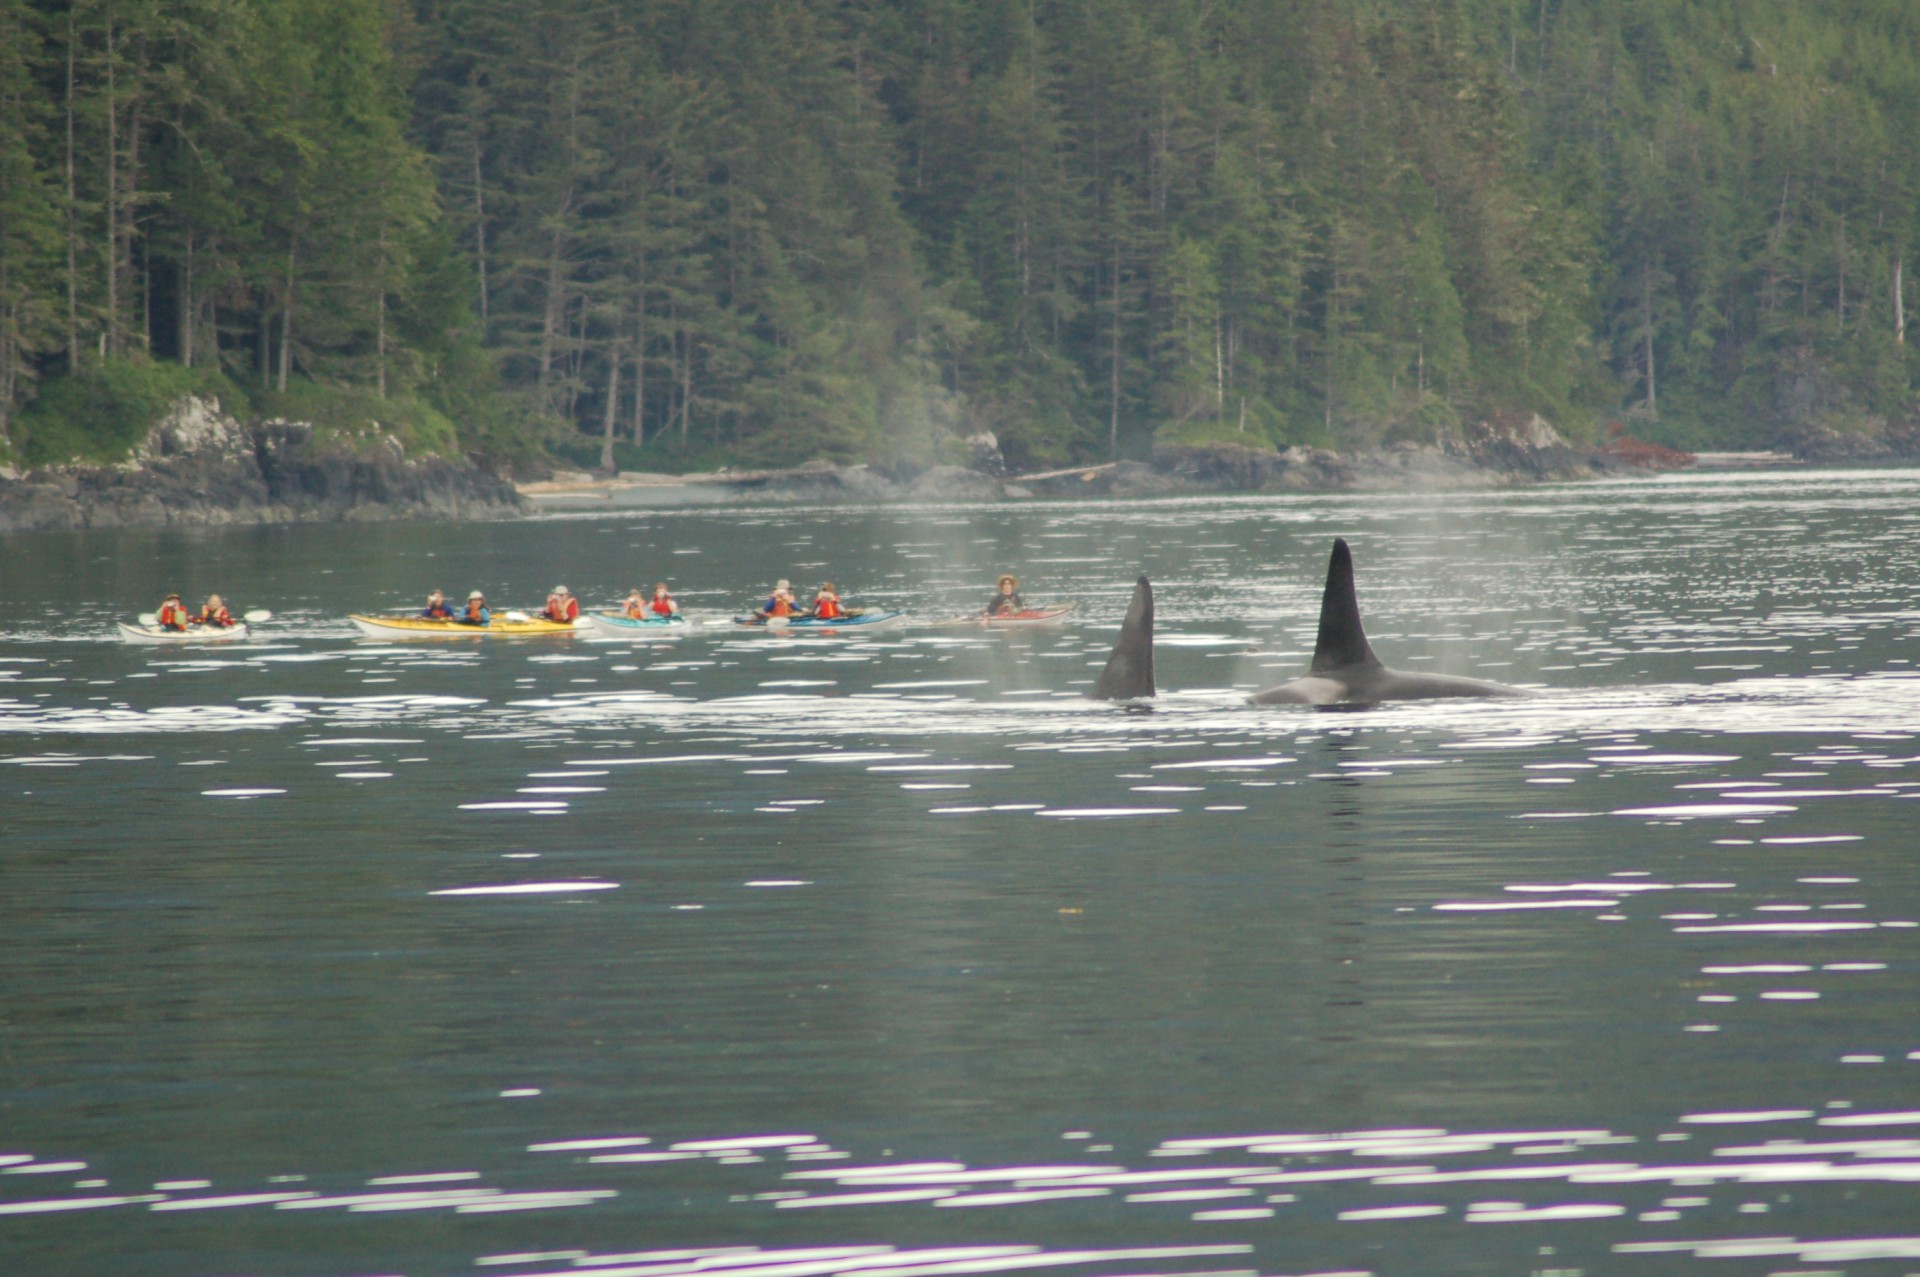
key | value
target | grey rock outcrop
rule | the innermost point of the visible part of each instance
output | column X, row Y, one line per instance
column 199, row 465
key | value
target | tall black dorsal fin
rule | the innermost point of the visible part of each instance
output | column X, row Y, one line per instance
column 1342, row 643
column 1129, row 671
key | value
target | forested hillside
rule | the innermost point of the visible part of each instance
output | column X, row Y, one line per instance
column 669, row 232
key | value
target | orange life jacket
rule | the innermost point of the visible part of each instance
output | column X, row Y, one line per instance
column 473, row 609
column 172, row 616
column 780, row 608
column 636, row 611
column 208, row 616
column 559, row 609
column 662, row 606
column 827, row 609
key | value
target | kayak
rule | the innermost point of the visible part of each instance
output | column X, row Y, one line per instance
column 624, row 626
column 192, row 634
column 412, row 627
column 858, row 620
column 1015, row 620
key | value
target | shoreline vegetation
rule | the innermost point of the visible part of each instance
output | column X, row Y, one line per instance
column 681, row 235
column 201, row 465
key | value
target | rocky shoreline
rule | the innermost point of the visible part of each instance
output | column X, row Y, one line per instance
column 1525, row 450
column 202, row 466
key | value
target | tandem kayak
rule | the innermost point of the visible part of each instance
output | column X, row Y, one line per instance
column 192, row 634
column 418, row 627
column 1014, row 620
column 812, row 624
column 622, row 626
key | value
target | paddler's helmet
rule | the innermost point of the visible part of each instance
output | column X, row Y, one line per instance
column 475, row 595
column 1007, row 578
column 560, row 589
column 173, row 598
column 783, row 584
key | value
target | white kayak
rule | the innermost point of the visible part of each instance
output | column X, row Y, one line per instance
column 192, row 634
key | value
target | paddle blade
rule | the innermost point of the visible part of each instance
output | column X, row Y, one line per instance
column 148, row 618
column 517, row 615
column 256, row 616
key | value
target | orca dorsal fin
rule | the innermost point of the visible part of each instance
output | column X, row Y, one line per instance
column 1129, row 672
column 1342, row 642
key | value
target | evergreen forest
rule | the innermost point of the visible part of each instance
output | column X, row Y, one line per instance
column 662, row 234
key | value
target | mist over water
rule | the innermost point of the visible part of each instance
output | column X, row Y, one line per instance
column 761, row 954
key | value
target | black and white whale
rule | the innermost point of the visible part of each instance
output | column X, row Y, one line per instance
column 1346, row 672
column 1129, row 671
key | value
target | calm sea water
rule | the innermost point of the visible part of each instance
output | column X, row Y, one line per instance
column 764, row 956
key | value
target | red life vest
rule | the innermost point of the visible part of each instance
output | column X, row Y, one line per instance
column 662, row 606
column 172, row 616
column 780, row 608
column 562, row 609
column 209, row 616
column 827, row 609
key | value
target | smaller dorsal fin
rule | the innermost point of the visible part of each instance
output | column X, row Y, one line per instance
column 1342, row 642
column 1129, row 672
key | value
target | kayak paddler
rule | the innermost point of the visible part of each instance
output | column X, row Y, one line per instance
column 636, row 605
column 562, row 607
column 826, row 603
column 1006, row 597
column 662, row 603
column 213, row 612
column 437, row 608
column 172, row 615
column 781, row 602
column 477, row 612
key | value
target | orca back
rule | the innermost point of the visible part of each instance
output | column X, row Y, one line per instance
column 1342, row 643
column 1129, row 671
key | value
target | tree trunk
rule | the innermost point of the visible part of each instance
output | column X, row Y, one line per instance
column 1219, row 372
column 640, row 372
column 73, row 229
column 555, row 309
column 613, row 407
column 1840, row 303
column 184, row 310
column 130, row 201
column 286, row 325
column 1899, row 305
column 113, row 200
column 9, row 343
column 1333, row 338
column 480, row 233
column 1113, row 365
column 686, row 391
column 380, row 320
column 1646, row 317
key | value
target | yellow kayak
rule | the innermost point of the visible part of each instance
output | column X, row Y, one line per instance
column 413, row 627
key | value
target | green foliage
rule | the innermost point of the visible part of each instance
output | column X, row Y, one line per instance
column 777, row 230
column 358, row 418
column 1215, row 430
column 104, row 413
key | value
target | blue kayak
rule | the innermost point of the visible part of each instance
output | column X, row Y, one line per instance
column 623, row 626
column 855, row 621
